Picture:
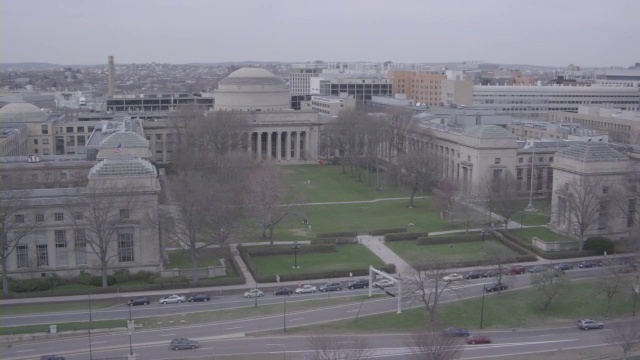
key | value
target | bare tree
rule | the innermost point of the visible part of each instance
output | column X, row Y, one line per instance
column 624, row 334
column 425, row 284
column 419, row 171
column 549, row 285
column 432, row 344
column 581, row 201
column 335, row 347
column 505, row 197
column 497, row 256
column 375, row 135
column 17, row 223
column 350, row 140
column 446, row 197
column 611, row 282
column 268, row 200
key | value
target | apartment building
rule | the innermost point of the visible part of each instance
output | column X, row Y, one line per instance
column 420, row 86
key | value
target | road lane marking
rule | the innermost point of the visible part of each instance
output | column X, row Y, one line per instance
column 352, row 310
column 20, row 351
column 235, row 327
column 97, row 342
column 296, row 319
column 167, row 335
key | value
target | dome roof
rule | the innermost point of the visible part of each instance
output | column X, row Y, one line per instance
column 21, row 112
column 123, row 167
column 591, row 152
column 19, row 108
column 127, row 140
column 488, row 132
column 251, row 72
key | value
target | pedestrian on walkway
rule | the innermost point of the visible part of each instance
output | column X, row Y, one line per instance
column 277, row 278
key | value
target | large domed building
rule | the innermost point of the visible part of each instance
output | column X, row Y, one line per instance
column 278, row 133
column 252, row 89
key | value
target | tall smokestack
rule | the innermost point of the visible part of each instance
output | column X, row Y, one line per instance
column 112, row 74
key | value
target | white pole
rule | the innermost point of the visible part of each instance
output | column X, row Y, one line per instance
column 530, row 207
column 399, row 296
column 370, row 282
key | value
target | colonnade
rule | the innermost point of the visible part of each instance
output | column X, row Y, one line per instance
column 279, row 145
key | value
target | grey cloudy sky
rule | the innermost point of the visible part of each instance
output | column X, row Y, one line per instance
column 542, row 32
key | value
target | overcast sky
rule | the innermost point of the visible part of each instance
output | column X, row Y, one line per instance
column 540, row 32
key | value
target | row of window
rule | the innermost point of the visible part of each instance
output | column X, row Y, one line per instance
column 59, row 216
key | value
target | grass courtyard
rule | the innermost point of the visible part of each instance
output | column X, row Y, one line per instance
column 354, row 256
column 541, row 233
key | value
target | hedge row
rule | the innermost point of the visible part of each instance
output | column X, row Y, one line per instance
column 380, row 232
column 389, row 268
column 337, row 234
column 276, row 250
column 551, row 255
column 337, row 241
column 405, row 236
column 453, row 239
column 513, row 246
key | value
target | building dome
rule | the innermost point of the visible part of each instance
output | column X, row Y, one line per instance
column 252, row 89
column 21, row 112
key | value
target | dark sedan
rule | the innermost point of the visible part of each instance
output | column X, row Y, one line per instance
column 140, row 300
column 183, row 343
column 495, row 286
column 589, row 264
column 199, row 297
column 476, row 274
column 455, row 332
column 283, row 291
column 563, row 267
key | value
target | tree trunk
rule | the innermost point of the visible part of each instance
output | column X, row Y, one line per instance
column 413, row 193
column 104, row 274
column 264, row 231
column 5, row 276
column 581, row 242
column 194, row 264
column 506, row 224
column 270, row 234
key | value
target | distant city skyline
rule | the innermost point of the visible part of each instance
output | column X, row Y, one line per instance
column 588, row 33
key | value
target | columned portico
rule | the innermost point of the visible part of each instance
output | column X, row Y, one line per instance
column 297, row 152
column 287, row 145
column 269, row 140
column 259, row 146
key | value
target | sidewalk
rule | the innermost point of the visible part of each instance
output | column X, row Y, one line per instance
column 377, row 246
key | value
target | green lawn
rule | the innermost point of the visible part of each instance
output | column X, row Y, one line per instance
column 328, row 184
column 348, row 257
column 179, row 259
column 508, row 310
column 541, row 233
column 71, row 326
column 466, row 251
column 57, row 307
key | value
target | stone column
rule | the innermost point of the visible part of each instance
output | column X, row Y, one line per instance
column 307, row 145
column 287, row 145
column 249, row 138
column 279, row 145
column 297, row 152
column 259, row 146
column 269, row 145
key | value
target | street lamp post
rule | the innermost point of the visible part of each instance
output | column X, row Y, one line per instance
column 483, row 233
column 130, row 344
column 295, row 254
column 129, row 326
column 482, row 310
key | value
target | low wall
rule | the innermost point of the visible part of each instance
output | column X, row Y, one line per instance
column 207, row 272
column 556, row 245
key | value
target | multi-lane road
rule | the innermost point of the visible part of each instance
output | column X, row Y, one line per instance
column 228, row 336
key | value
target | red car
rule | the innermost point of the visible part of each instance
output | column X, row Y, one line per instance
column 478, row 339
column 515, row 270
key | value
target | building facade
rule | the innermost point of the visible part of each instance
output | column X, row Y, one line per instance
column 622, row 126
column 421, row 86
column 156, row 102
column 361, row 87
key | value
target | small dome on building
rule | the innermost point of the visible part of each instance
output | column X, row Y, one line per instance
column 252, row 89
column 591, row 152
column 488, row 132
column 22, row 112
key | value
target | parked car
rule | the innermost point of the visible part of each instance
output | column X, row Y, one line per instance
column 478, row 339
column 495, row 286
column 538, row 269
column 199, row 297
column 383, row 283
column 453, row 277
column 515, row 270
column 183, row 343
column 253, row 293
column 492, row 273
column 563, row 267
column 589, row 264
column 455, row 332
column 586, row 324
column 475, row 274
column 305, row 289
column 283, row 291
column 172, row 299
column 331, row 286
column 358, row 284
column 140, row 300
column 51, row 357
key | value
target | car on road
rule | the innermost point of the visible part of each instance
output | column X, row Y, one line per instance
column 305, row 289
column 253, row 293
column 515, row 270
column 495, row 286
column 478, row 339
column 283, row 291
column 563, row 267
column 172, row 299
column 589, row 264
column 383, row 283
column 492, row 273
column 199, row 297
column 453, row 277
column 474, row 274
column 51, row 357
column 587, row 324
column 455, row 332
column 538, row 269
column 140, row 300
column 358, row 284
column 331, row 286
column 183, row 343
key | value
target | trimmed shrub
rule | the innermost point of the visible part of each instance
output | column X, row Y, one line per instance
column 143, row 275
column 600, row 244
column 84, row 278
column 170, row 280
column 405, row 236
column 551, row 255
column 337, row 234
column 380, row 232
column 121, row 275
column 336, row 241
column 453, row 239
column 288, row 250
column 33, row 284
column 97, row 280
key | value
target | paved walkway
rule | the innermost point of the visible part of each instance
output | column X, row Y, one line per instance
column 377, row 246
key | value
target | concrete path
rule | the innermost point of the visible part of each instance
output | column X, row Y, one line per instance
column 243, row 267
column 377, row 246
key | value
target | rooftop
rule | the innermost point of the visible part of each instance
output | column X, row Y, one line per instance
column 591, row 152
column 488, row 132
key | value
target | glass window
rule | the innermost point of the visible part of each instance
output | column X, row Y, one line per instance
column 45, row 129
column 39, row 217
column 19, row 218
column 45, row 141
column 125, row 245
column 61, row 248
column 59, row 216
column 22, row 252
column 35, row 141
column 497, row 161
column 42, row 255
column 78, row 215
column 80, row 243
column 124, row 214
